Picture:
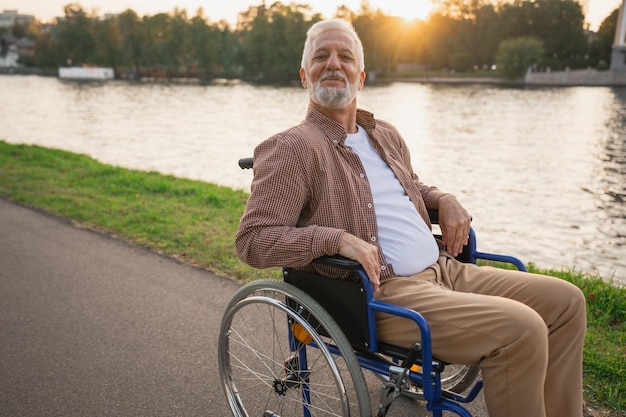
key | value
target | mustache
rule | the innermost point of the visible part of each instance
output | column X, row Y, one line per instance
column 334, row 74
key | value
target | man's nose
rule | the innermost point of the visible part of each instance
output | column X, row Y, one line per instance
column 333, row 61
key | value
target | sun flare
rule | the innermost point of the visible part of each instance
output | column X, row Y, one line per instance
column 409, row 10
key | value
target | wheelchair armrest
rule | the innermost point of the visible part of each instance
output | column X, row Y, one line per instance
column 433, row 215
column 338, row 261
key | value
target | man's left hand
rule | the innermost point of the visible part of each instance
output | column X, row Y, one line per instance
column 454, row 221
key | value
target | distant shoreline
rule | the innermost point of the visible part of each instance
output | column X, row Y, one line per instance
column 573, row 78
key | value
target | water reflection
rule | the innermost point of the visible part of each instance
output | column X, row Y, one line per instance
column 611, row 166
column 541, row 170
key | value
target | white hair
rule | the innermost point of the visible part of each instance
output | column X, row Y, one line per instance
column 324, row 25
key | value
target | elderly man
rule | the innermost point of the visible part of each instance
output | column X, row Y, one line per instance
column 341, row 182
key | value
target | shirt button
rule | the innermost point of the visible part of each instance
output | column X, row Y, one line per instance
column 373, row 238
column 362, row 175
column 369, row 205
column 383, row 267
column 335, row 141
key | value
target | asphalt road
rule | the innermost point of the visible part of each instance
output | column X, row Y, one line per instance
column 92, row 326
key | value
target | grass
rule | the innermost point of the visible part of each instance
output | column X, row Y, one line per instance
column 195, row 221
column 604, row 356
column 190, row 220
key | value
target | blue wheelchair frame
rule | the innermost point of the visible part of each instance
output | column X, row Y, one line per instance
column 429, row 378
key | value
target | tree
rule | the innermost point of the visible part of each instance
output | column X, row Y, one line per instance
column 603, row 45
column 178, row 44
column 75, row 36
column 46, row 50
column 206, row 47
column 485, row 39
column 131, row 43
column 28, row 30
column 155, row 56
column 460, row 9
column 440, row 38
column 272, row 39
column 514, row 56
column 107, row 41
column 382, row 39
column 559, row 24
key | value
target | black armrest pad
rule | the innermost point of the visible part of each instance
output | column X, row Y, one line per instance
column 338, row 261
column 433, row 214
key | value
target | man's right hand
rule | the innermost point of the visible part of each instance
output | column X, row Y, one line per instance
column 364, row 253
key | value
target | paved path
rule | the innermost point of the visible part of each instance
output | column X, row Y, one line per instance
column 91, row 326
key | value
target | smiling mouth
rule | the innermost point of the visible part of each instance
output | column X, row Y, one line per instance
column 333, row 80
column 336, row 76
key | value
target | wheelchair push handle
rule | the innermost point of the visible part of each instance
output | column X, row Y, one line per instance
column 246, row 163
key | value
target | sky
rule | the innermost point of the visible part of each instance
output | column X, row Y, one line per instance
column 216, row 10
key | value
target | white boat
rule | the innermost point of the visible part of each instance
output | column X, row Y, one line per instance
column 86, row 73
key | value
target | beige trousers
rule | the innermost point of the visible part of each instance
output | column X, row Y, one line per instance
column 525, row 331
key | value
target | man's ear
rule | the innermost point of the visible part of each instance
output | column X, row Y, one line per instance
column 362, row 78
column 303, row 77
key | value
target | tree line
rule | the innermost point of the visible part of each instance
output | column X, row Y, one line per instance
column 266, row 42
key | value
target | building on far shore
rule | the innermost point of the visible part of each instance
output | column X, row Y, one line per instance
column 618, row 56
column 11, row 47
column 9, row 18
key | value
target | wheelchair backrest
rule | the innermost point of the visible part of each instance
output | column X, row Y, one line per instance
column 345, row 301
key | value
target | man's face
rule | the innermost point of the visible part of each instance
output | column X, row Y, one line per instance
column 333, row 75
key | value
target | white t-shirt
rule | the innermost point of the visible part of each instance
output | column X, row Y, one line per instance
column 407, row 242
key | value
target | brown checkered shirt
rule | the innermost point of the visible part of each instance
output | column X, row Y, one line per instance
column 309, row 188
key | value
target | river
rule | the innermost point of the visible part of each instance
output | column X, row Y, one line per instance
column 541, row 170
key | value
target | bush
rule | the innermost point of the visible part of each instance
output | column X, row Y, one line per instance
column 514, row 56
column 461, row 61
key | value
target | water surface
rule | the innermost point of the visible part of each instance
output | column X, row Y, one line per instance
column 542, row 170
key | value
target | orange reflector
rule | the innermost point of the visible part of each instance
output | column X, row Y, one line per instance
column 416, row 368
column 300, row 333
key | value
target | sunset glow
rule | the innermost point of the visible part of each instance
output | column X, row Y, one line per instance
column 215, row 11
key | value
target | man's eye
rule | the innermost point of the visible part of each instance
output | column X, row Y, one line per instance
column 319, row 57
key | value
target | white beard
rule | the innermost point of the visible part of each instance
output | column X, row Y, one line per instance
column 333, row 97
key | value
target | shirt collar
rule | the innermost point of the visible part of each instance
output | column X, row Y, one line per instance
column 333, row 130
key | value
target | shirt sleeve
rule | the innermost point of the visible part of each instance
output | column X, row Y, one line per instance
column 269, row 233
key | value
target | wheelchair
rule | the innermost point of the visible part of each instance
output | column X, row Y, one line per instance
column 300, row 346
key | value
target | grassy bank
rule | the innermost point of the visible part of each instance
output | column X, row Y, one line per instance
column 195, row 221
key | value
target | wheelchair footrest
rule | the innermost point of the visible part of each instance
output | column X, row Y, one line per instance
column 471, row 396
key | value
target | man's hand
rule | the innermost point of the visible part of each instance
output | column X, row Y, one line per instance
column 454, row 221
column 364, row 253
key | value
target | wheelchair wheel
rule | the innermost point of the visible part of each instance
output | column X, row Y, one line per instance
column 281, row 354
column 458, row 378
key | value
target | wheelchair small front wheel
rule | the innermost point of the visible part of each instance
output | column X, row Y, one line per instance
column 280, row 353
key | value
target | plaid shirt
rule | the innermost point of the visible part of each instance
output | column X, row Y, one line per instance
column 309, row 188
